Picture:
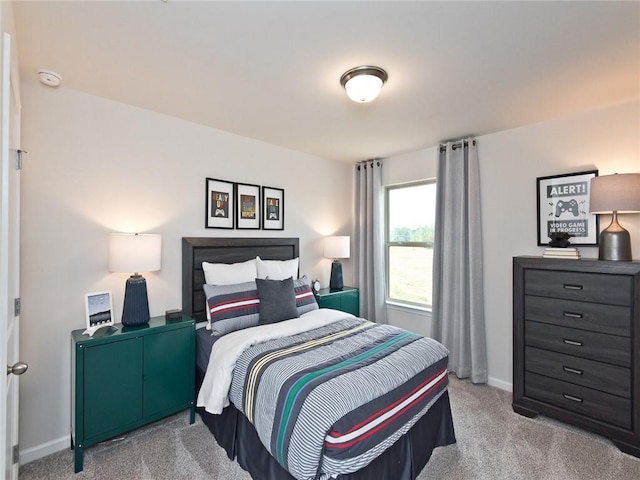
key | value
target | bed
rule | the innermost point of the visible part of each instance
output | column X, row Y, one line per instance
column 400, row 456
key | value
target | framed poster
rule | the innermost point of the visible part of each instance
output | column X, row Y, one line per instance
column 563, row 207
column 219, row 204
column 273, row 205
column 98, row 307
column 247, row 206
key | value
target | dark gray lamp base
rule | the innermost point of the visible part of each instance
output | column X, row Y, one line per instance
column 136, row 303
column 335, row 283
column 615, row 242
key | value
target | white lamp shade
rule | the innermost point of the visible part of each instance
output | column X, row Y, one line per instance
column 615, row 193
column 134, row 252
column 363, row 88
column 337, row 247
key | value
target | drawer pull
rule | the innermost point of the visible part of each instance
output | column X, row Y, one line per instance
column 568, row 286
column 572, row 370
column 572, row 398
column 572, row 342
column 572, row 315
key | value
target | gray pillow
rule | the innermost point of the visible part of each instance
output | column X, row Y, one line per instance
column 277, row 300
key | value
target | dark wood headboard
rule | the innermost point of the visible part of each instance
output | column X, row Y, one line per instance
column 196, row 250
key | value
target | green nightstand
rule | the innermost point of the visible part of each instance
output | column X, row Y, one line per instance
column 346, row 300
column 126, row 377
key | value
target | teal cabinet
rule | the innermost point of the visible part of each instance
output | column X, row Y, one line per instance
column 345, row 300
column 126, row 377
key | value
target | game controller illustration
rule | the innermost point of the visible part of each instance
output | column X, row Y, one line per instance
column 221, row 213
column 570, row 206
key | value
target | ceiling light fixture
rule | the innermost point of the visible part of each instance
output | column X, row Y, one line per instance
column 363, row 83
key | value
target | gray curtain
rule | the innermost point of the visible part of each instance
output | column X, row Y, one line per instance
column 369, row 240
column 458, row 293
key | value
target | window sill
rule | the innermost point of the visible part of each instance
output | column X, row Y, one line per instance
column 407, row 307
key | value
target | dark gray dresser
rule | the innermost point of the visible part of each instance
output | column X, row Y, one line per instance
column 576, row 344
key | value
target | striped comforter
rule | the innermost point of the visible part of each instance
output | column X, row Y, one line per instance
column 329, row 400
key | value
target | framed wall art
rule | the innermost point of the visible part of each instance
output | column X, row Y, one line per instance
column 563, row 207
column 219, row 204
column 247, row 206
column 273, row 208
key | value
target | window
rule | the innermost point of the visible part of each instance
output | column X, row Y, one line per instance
column 410, row 225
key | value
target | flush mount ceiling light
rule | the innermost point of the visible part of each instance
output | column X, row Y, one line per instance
column 363, row 83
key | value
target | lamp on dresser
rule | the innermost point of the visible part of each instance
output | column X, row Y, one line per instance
column 134, row 252
column 618, row 193
column 336, row 247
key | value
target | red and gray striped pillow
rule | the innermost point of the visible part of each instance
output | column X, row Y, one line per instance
column 234, row 307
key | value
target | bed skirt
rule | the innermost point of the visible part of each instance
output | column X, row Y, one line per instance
column 404, row 460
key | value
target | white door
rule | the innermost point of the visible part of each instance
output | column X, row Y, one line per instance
column 9, row 262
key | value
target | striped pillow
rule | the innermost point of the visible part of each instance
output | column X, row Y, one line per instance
column 305, row 299
column 232, row 307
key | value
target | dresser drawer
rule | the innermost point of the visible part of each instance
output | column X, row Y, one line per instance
column 594, row 404
column 598, row 317
column 581, row 343
column 588, row 373
column 587, row 287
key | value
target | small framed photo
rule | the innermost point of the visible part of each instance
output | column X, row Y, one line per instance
column 99, row 310
column 219, row 204
column 247, row 206
column 273, row 208
column 563, row 207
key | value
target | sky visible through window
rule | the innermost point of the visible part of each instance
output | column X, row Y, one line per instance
column 407, row 206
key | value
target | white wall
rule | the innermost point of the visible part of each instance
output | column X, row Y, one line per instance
column 96, row 166
column 510, row 162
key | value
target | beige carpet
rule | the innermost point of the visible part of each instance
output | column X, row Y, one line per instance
column 493, row 443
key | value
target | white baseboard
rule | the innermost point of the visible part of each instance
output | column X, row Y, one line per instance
column 501, row 384
column 44, row 449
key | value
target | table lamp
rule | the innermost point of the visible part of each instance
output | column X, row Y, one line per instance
column 129, row 252
column 618, row 193
column 336, row 247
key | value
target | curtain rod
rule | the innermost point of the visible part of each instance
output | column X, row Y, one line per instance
column 443, row 147
column 363, row 163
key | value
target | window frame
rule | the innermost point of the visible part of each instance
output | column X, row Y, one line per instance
column 388, row 244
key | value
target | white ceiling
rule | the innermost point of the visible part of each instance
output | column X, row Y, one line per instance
column 270, row 70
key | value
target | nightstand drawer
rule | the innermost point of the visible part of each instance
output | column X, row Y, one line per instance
column 581, row 343
column 597, row 317
column 587, row 287
column 592, row 403
column 588, row 373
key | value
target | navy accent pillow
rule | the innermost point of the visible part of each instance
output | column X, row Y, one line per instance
column 277, row 300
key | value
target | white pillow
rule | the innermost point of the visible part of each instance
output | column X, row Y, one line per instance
column 277, row 269
column 229, row 274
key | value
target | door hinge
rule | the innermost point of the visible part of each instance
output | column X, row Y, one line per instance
column 19, row 158
column 16, row 307
column 16, row 454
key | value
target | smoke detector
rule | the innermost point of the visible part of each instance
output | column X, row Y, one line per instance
column 49, row 78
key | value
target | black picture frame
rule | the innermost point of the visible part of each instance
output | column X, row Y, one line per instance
column 563, row 206
column 247, row 200
column 220, row 204
column 272, row 208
